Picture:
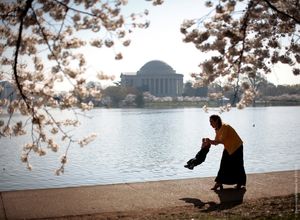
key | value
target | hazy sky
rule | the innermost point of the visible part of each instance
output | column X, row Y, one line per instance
column 163, row 41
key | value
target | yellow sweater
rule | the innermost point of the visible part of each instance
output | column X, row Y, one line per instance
column 228, row 136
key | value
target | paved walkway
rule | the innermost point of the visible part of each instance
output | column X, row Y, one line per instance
column 48, row 203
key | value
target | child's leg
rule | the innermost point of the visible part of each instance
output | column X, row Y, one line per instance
column 201, row 156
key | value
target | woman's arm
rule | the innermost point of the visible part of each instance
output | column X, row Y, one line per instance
column 214, row 142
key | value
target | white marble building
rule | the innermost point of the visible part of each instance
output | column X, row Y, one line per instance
column 157, row 77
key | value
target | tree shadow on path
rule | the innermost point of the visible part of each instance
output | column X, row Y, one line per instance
column 229, row 198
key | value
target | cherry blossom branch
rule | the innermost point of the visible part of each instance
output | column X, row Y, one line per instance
column 18, row 44
column 58, row 126
column 62, row 24
column 49, row 46
column 74, row 9
column 240, row 60
column 282, row 12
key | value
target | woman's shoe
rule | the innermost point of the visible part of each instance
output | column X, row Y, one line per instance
column 217, row 186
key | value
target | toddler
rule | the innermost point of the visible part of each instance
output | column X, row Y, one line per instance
column 200, row 156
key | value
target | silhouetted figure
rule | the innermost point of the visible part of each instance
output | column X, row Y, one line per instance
column 232, row 169
column 200, row 156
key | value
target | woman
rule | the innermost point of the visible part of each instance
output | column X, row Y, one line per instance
column 232, row 169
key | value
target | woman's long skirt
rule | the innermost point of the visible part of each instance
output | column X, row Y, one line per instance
column 232, row 169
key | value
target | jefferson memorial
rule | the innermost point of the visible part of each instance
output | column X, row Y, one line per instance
column 157, row 77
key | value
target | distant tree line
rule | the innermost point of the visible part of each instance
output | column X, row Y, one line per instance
column 120, row 96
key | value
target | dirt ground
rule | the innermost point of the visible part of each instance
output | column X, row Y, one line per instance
column 285, row 207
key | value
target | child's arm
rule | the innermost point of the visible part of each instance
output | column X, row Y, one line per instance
column 205, row 142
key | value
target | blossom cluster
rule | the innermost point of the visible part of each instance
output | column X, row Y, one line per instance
column 41, row 44
column 245, row 39
column 87, row 140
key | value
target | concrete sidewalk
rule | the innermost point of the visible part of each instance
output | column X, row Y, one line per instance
column 46, row 203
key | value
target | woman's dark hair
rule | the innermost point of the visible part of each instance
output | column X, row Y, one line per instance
column 218, row 119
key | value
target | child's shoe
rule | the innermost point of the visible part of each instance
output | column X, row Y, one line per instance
column 189, row 166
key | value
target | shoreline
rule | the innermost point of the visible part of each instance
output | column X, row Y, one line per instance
column 138, row 182
column 142, row 196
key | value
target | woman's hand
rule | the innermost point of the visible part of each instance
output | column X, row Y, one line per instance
column 213, row 142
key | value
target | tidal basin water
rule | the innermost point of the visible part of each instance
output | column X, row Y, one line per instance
column 137, row 145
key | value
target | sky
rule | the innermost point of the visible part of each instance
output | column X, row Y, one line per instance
column 163, row 41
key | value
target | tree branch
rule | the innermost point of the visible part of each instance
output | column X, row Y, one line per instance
column 48, row 44
column 18, row 44
column 282, row 12
column 74, row 9
column 243, row 30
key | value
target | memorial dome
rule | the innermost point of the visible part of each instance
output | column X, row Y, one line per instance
column 156, row 67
